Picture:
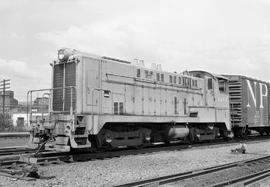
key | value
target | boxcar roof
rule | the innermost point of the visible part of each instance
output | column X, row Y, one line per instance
column 246, row 77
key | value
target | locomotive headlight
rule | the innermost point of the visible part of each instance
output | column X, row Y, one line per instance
column 64, row 54
column 61, row 56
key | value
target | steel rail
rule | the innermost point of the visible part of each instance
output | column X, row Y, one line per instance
column 16, row 150
column 245, row 180
column 14, row 134
column 56, row 157
column 176, row 177
column 120, row 152
column 197, row 173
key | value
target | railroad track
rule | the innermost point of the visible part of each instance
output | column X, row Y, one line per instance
column 45, row 158
column 237, row 173
column 9, row 161
column 15, row 150
column 12, row 154
column 14, row 134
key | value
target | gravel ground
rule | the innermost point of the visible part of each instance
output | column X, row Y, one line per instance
column 9, row 142
column 224, row 175
column 264, row 183
column 125, row 169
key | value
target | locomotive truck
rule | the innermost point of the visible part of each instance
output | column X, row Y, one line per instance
column 102, row 102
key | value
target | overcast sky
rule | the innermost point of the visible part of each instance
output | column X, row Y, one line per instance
column 220, row 36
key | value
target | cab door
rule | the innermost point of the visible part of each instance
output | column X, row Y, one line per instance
column 209, row 91
column 92, row 79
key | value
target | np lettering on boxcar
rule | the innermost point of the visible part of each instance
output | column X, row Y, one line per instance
column 249, row 105
column 252, row 93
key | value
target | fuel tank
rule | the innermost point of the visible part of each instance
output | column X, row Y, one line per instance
column 178, row 132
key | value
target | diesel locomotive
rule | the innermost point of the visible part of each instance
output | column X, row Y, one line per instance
column 98, row 102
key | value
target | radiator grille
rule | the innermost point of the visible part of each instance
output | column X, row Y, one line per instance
column 70, row 80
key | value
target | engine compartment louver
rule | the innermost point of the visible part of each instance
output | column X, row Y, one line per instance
column 64, row 76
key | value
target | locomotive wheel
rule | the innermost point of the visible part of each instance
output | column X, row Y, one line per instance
column 123, row 136
column 190, row 137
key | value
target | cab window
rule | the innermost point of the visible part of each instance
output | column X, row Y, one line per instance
column 162, row 77
column 222, row 84
column 158, row 77
column 210, row 84
column 170, row 79
column 138, row 73
column 179, row 80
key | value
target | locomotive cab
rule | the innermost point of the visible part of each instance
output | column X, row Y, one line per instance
column 216, row 102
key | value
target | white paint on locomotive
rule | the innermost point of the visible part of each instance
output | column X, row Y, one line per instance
column 109, row 101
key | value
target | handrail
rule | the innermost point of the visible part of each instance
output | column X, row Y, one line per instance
column 50, row 90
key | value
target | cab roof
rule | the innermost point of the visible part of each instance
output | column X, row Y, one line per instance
column 201, row 73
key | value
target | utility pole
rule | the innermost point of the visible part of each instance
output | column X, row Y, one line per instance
column 4, row 85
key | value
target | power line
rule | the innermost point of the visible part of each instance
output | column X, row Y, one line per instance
column 5, row 85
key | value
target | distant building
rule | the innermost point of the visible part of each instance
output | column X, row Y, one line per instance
column 41, row 105
column 18, row 111
column 10, row 102
column 22, row 119
column 21, row 108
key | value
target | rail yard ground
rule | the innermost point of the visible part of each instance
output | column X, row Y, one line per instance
column 13, row 141
column 121, row 170
column 10, row 139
